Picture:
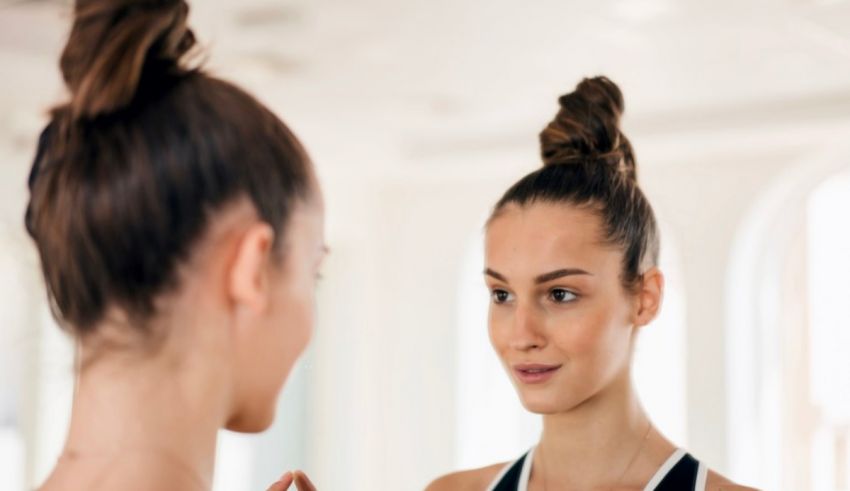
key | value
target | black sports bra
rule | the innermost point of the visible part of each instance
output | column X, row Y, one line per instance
column 678, row 473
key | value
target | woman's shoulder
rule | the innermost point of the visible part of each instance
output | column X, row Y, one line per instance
column 472, row 480
column 717, row 482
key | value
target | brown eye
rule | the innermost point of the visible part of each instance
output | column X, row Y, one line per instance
column 500, row 296
column 560, row 295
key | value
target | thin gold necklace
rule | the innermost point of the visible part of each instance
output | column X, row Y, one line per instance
column 635, row 456
column 622, row 474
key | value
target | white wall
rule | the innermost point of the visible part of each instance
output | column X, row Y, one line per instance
column 418, row 116
column 373, row 404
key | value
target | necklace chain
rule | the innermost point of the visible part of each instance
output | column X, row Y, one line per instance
column 622, row 474
column 637, row 452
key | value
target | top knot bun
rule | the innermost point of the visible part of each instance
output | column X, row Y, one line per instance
column 586, row 129
column 114, row 44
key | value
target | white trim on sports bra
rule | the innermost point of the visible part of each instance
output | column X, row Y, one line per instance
column 662, row 471
column 500, row 476
column 526, row 470
column 659, row 475
column 702, row 477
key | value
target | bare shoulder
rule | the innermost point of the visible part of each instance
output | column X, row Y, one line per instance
column 471, row 480
column 716, row 482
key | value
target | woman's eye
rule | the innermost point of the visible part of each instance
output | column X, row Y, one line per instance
column 560, row 295
column 500, row 296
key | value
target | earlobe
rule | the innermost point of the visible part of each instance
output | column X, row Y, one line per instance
column 650, row 296
column 249, row 272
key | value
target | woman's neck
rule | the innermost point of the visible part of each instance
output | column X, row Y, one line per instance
column 598, row 442
column 154, row 419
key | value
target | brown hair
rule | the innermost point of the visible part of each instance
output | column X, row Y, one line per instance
column 130, row 169
column 588, row 161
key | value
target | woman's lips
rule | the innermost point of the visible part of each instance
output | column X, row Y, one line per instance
column 534, row 373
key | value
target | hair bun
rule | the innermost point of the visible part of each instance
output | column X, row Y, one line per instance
column 586, row 129
column 114, row 44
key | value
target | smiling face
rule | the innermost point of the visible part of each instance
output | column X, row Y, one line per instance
column 560, row 319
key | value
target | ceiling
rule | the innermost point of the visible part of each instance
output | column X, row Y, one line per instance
column 416, row 76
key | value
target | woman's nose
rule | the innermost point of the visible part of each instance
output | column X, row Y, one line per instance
column 527, row 332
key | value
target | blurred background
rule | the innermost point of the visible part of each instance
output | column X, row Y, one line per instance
column 419, row 114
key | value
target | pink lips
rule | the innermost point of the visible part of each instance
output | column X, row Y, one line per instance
column 534, row 373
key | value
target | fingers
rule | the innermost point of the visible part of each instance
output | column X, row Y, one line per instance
column 302, row 482
column 283, row 484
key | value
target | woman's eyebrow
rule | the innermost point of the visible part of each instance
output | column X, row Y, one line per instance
column 498, row 276
column 560, row 273
column 543, row 278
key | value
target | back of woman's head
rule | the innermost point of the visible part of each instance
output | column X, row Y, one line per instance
column 131, row 170
column 589, row 162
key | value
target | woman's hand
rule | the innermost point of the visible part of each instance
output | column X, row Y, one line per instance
column 302, row 482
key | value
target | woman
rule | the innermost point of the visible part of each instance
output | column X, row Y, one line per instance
column 180, row 229
column 572, row 267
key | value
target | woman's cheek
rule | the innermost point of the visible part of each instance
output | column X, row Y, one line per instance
column 580, row 333
column 497, row 332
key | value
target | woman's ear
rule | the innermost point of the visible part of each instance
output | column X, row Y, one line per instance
column 650, row 296
column 248, row 278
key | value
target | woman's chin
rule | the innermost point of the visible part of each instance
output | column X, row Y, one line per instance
column 547, row 402
column 257, row 422
column 539, row 405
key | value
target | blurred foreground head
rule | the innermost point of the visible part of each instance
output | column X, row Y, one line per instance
column 174, row 214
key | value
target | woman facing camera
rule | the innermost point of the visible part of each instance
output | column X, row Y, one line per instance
column 572, row 267
column 180, row 228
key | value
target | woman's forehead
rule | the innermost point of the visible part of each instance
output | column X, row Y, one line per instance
column 544, row 235
column 545, row 222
